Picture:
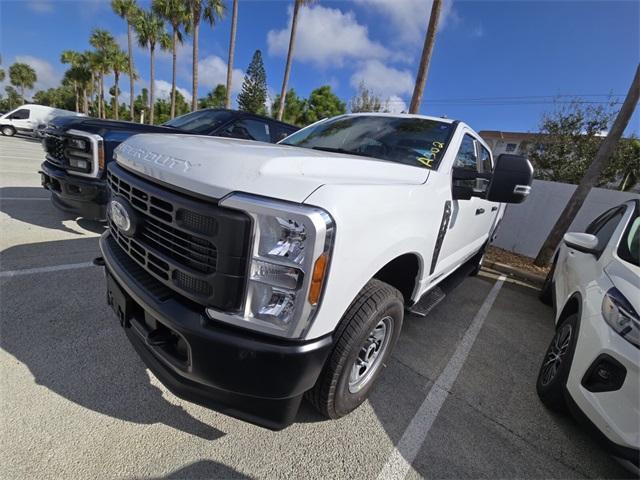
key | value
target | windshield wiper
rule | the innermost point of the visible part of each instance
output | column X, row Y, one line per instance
column 340, row 150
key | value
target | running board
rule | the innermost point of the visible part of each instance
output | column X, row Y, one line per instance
column 431, row 298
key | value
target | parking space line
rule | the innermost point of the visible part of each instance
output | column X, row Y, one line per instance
column 416, row 432
column 54, row 268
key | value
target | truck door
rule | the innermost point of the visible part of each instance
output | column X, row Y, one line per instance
column 470, row 220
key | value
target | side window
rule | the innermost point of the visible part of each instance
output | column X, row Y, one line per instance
column 248, row 129
column 605, row 225
column 485, row 160
column 467, row 157
column 278, row 132
column 21, row 114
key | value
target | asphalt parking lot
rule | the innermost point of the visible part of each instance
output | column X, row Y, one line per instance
column 77, row 402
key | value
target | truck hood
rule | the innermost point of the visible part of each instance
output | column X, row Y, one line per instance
column 104, row 127
column 215, row 167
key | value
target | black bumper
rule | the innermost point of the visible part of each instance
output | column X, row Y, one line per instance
column 84, row 197
column 255, row 378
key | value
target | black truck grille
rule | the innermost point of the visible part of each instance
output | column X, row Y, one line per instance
column 55, row 145
column 193, row 246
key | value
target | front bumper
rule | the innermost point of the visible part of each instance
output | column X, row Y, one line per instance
column 255, row 378
column 614, row 414
column 84, row 197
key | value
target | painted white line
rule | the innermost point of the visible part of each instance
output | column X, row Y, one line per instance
column 54, row 268
column 404, row 454
column 24, row 198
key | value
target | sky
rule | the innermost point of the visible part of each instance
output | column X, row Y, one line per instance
column 497, row 65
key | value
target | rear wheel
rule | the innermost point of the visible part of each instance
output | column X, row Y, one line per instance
column 365, row 337
column 477, row 260
column 546, row 292
column 8, row 131
column 554, row 371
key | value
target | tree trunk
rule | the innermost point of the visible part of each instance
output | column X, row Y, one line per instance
column 287, row 68
column 592, row 174
column 116, row 77
column 22, row 94
column 173, row 73
column 77, row 95
column 85, row 101
column 232, row 48
column 427, row 50
column 102, row 106
column 152, row 74
column 131, row 74
column 194, row 87
column 92, row 87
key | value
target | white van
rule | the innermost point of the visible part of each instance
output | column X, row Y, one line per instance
column 27, row 118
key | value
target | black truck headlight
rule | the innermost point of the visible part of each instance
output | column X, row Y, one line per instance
column 621, row 316
column 84, row 152
column 289, row 262
column 79, row 144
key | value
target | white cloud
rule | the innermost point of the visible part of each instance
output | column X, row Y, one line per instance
column 381, row 79
column 212, row 70
column 47, row 76
column 40, row 6
column 477, row 32
column 163, row 90
column 395, row 104
column 410, row 17
column 326, row 36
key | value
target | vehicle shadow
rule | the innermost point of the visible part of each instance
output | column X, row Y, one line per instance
column 204, row 469
column 32, row 205
column 58, row 325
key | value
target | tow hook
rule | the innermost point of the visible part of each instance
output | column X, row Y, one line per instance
column 98, row 261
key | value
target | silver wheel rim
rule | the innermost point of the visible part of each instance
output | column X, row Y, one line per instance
column 7, row 131
column 370, row 355
column 556, row 354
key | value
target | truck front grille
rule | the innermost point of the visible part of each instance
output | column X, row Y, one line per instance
column 54, row 145
column 193, row 246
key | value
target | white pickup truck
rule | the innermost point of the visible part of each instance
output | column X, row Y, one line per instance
column 247, row 274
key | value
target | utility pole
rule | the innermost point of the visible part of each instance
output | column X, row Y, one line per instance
column 593, row 173
column 427, row 50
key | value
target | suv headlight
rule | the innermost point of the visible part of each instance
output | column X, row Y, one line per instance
column 621, row 316
column 289, row 263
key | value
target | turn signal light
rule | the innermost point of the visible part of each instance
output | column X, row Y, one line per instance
column 319, row 270
column 100, row 156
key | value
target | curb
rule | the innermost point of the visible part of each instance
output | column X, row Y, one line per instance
column 518, row 273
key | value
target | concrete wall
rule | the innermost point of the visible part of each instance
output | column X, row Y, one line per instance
column 525, row 226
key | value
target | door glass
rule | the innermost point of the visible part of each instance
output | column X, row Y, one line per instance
column 467, row 159
column 485, row 160
column 22, row 114
column 604, row 227
column 629, row 249
column 249, row 129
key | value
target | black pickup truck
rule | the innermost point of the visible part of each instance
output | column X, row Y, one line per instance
column 79, row 148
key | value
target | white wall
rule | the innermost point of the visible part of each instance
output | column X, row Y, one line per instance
column 525, row 226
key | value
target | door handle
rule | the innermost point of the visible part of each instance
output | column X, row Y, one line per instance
column 480, row 211
column 493, row 209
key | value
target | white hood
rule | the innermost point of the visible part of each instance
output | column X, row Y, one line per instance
column 217, row 166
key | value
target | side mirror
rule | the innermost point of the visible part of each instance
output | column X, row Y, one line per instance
column 582, row 242
column 468, row 183
column 511, row 181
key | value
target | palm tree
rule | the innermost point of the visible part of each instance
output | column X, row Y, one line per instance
column 72, row 58
column 211, row 11
column 292, row 41
column 176, row 12
column 119, row 63
column 232, row 48
column 22, row 76
column 151, row 33
column 128, row 10
column 104, row 43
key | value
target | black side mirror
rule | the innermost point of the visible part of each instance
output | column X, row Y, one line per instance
column 511, row 181
column 464, row 181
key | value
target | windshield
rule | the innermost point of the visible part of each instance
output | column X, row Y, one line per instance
column 202, row 121
column 419, row 142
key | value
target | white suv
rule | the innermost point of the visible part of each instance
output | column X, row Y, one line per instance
column 592, row 364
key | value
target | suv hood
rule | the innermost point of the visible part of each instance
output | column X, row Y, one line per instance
column 215, row 167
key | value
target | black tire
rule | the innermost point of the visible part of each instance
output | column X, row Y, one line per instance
column 8, row 131
column 546, row 292
column 552, row 382
column 376, row 303
column 478, row 260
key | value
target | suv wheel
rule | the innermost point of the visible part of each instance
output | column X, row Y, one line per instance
column 546, row 292
column 365, row 338
column 554, row 371
column 8, row 131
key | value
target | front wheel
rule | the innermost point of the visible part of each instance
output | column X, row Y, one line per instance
column 365, row 338
column 554, row 371
column 8, row 131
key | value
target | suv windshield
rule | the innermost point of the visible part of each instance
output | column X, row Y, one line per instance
column 418, row 142
column 202, row 121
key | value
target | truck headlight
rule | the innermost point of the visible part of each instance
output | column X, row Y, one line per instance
column 621, row 316
column 289, row 262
